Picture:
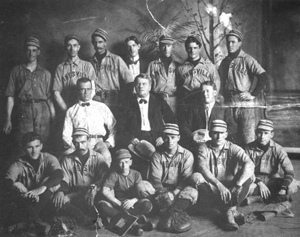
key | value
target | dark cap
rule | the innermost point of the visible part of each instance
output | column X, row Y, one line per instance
column 122, row 154
column 69, row 37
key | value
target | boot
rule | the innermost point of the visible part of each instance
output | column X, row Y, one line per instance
column 252, row 199
column 239, row 217
column 137, row 230
column 230, row 223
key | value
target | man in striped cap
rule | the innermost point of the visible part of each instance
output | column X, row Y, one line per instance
column 269, row 158
column 228, row 172
column 85, row 171
column 163, row 72
column 240, row 90
column 29, row 103
column 112, row 72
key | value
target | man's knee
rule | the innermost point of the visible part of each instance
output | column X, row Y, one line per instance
column 196, row 179
column 189, row 193
column 145, row 189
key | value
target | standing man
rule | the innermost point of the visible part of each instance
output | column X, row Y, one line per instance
column 68, row 72
column 269, row 158
column 228, row 172
column 163, row 72
column 29, row 95
column 133, row 60
column 94, row 116
column 31, row 180
column 113, row 74
column 193, row 72
column 201, row 117
column 237, row 72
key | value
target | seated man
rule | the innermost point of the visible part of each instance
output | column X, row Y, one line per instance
column 269, row 158
column 145, row 114
column 94, row 116
column 171, row 169
column 228, row 172
column 120, row 190
column 32, row 178
column 84, row 173
column 201, row 117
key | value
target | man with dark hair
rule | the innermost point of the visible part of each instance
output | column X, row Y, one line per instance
column 92, row 115
column 144, row 114
column 113, row 74
column 68, row 72
column 32, row 179
column 163, row 72
column 199, row 118
column 84, row 173
column 29, row 99
column 133, row 59
column 193, row 72
column 269, row 158
column 240, row 90
column 228, row 172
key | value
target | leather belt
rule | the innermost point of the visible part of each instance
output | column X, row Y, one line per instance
column 96, row 136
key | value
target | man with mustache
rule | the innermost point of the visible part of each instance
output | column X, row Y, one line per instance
column 113, row 74
column 237, row 72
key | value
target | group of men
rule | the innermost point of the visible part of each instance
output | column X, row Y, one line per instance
column 166, row 122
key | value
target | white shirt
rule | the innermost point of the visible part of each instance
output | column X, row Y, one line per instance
column 93, row 118
column 145, row 124
column 209, row 107
column 135, row 68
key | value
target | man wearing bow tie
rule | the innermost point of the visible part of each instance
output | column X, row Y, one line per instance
column 145, row 114
column 94, row 116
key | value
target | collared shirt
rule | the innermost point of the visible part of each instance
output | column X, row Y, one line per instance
column 191, row 77
column 21, row 171
column 209, row 107
column 269, row 162
column 144, row 108
column 94, row 170
column 93, row 117
column 25, row 84
column 163, row 81
column 171, row 171
column 135, row 67
column 225, row 164
column 109, row 73
column 242, row 69
column 66, row 76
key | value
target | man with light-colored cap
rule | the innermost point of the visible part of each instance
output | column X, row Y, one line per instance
column 114, row 77
column 192, row 73
column 243, row 80
column 68, row 72
column 269, row 159
column 120, row 190
column 85, row 171
column 228, row 172
column 163, row 72
column 28, row 98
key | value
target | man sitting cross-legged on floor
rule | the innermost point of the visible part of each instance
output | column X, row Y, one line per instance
column 228, row 172
column 84, row 173
column 120, row 191
column 269, row 157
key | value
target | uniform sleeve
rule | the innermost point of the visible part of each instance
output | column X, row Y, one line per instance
column 202, row 160
column 152, row 76
column 253, row 66
column 187, row 169
column 11, row 86
column 68, row 131
column 91, row 72
column 13, row 172
column 156, row 171
column 138, row 177
column 102, row 171
column 287, row 168
column 57, row 83
column 53, row 163
column 110, row 122
column 48, row 86
column 215, row 77
column 111, row 180
column 124, row 71
column 67, row 172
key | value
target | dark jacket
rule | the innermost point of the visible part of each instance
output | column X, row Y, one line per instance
column 195, row 119
column 159, row 113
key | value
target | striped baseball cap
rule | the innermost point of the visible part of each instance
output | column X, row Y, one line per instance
column 69, row 37
column 171, row 128
column 122, row 154
column 218, row 126
column 166, row 40
column 265, row 124
column 235, row 33
column 31, row 41
column 100, row 32
column 80, row 132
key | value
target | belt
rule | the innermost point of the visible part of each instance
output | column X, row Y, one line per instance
column 105, row 93
column 29, row 101
column 96, row 136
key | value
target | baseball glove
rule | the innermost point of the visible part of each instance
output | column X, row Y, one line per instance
column 164, row 199
column 175, row 221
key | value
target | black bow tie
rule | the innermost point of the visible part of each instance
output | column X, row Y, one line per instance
column 85, row 104
column 142, row 101
column 133, row 62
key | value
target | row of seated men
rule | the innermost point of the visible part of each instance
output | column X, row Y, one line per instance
column 221, row 175
column 30, row 89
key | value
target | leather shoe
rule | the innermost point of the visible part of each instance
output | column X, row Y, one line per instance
column 137, row 230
